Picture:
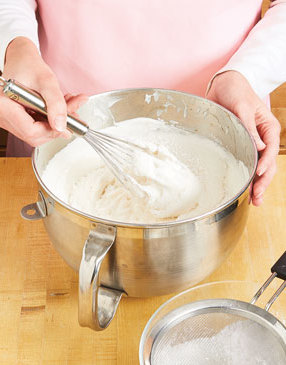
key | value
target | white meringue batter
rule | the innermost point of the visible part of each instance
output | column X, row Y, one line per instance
column 192, row 175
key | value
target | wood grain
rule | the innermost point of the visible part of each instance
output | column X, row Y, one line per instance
column 38, row 291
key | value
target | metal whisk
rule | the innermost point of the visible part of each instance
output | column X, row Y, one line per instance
column 116, row 153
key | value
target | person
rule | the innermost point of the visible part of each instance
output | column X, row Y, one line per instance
column 219, row 49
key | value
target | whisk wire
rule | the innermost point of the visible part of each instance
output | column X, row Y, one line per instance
column 107, row 160
column 126, row 146
column 120, row 147
column 115, row 161
column 115, row 156
column 111, row 144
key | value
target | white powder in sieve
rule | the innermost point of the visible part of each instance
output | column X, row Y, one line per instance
column 240, row 343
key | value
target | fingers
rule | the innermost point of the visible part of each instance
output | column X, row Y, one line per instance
column 270, row 133
column 14, row 118
column 260, row 145
column 74, row 102
column 250, row 192
column 55, row 101
column 261, row 183
column 247, row 116
column 265, row 129
column 43, row 133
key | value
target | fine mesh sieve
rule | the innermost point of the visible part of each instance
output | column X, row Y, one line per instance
column 217, row 331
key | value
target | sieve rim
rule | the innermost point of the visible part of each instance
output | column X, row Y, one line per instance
column 143, row 338
column 228, row 306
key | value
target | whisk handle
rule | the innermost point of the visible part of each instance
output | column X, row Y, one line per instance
column 32, row 100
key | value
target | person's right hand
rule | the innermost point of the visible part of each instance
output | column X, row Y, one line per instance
column 24, row 64
column 232, row 90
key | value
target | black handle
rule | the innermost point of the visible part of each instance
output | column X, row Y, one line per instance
column 280, row 267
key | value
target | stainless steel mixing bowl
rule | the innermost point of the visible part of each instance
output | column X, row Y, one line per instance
column 139, row 260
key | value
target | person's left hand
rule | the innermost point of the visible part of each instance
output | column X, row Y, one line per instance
column 231, row 90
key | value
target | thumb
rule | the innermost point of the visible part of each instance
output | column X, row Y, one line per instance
column 248, row 119
column 74, row 102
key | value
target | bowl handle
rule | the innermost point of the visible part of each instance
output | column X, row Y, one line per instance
column 97, row 304
column 35, row 211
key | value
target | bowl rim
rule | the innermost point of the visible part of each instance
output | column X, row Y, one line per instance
column 157, row 224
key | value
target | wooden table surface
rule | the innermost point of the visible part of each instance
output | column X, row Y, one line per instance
column 38, row 291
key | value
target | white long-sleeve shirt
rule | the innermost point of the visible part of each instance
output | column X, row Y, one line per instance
column 98, row 45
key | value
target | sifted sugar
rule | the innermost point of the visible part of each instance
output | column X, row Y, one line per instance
column 243, row 342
